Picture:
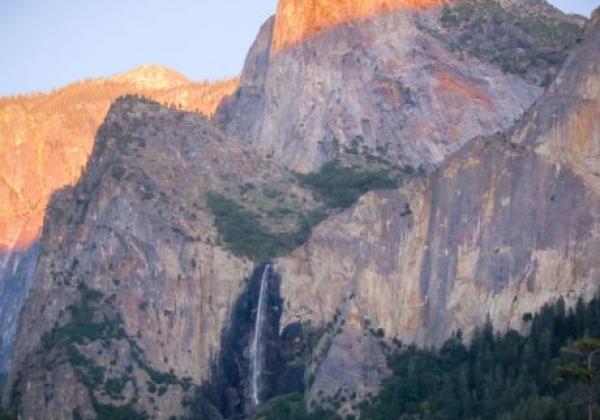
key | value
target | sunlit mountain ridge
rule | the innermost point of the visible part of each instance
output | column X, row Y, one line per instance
column 299, row 20
column 46, row 138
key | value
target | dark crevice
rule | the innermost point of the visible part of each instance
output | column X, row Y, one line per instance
column 227, row 394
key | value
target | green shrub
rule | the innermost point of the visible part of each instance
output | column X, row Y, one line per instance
column 290, row 407
column 340, row 186
column 115, row 386
column 248, row 186
column 159, row 377
column 246, row 236
column 241, row 229
column 122, row 412
column 82, row 328
column 7, row 416
column 118, row 172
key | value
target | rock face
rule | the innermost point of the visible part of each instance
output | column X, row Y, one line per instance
column 136, row 294
column 46, row 140
column 54, row 134
column 16, row 276
column 128, row 255
column 506, row 225
column 530, row 39
column 297, row 21
column 324, row 78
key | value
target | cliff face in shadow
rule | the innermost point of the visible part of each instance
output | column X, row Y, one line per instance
column 16, row 276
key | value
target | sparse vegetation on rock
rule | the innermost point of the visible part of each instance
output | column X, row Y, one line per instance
column 291, row 407
column 96, row 326
column 340, row 186
column 245, row 234
column 529, row 43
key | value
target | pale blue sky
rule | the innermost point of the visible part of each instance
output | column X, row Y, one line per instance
column 49, row 43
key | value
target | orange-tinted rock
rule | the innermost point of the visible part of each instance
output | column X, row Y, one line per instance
column 299, row 20
column 460, row 90
column 46, row 138
column 380, row 82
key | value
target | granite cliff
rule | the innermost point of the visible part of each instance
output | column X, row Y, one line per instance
column 131, row 291
column 505, row 226
column 46, row 141
column 396, row 79
column 146, row 277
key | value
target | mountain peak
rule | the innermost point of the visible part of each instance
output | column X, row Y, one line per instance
column 298, row 20
column 54, row 133
column 153, row 77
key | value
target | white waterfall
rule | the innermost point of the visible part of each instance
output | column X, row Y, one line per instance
column 257, row 348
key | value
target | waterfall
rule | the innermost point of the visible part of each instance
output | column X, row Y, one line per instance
column 257, row 348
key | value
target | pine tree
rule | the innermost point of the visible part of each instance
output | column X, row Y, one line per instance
column 587, row 349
